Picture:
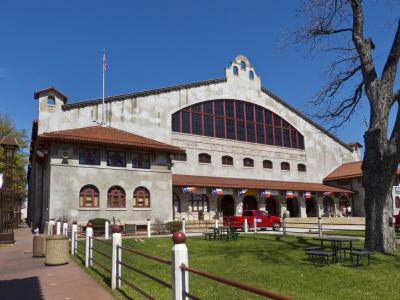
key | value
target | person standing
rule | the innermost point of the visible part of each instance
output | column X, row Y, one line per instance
column 348, row 210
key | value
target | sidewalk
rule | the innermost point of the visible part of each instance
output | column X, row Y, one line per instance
column 23, row 277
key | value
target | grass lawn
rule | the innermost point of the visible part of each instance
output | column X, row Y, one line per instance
column 360, row 233
column 272, row 262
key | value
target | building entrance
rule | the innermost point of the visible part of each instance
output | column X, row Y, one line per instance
column 250, row 203
column 227, row 206
column 271, row 207
column 292, row 206
column 311, row 207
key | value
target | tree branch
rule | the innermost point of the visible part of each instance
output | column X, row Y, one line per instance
column 321, row 31
column 390, row 68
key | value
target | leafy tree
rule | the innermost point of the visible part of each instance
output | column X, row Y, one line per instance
column 337, row 27
column 7, row 127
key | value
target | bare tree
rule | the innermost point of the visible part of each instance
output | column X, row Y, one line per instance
column 337, row 27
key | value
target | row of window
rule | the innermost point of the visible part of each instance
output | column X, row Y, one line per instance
column 115, row 158
column 237, row 120
column 89, row 197
column 227, row 160
column 236, row 72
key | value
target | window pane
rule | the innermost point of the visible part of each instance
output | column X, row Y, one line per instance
column 207, row 107
column 219, row 127
column 230, row 129
column 239, row 110
column 208, row 126
column 300, row 139
column 116, row 158
column 259, row 114
column 269, row 133
column 141, row 160
column 260, row 134
column 249, row 112
column 89, row 156
column 250, row 132
column 196, row 123
column 278, row 137
column 240, row 130
column 185, row 122
column 175, row 122
column 196, row 108
column 268, row 117
column 218, row 108
column 294, row 140
column 277, row 121
column 229, row 108
column 286, row 138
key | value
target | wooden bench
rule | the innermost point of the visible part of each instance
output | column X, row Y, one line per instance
column 321, row 254
column 313, row 248
column 359, row 254
column 234, row 235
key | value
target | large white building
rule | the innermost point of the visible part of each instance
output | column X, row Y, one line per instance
column 221, row 145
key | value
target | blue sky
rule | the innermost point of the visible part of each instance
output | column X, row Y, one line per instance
column 152, row 44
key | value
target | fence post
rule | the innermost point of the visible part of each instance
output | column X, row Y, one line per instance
column 246, row 226
column 284, row 225
column 216, row 223
column 180, row 279
column 58, row 228
column 183, row 225
column 88, row 252
column 320, row 227
column 74, row 237
column 65, row 228
column 51, row 229
column 116, row 257
column 255, row 225
column 106, row 229
column 148, row 228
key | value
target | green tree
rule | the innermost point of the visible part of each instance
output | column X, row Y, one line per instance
column 7, row 127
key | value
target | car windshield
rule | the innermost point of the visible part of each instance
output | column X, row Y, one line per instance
column 247, row 213
column 265, row 214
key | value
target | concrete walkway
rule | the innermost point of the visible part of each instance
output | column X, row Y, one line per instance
column 23, row 277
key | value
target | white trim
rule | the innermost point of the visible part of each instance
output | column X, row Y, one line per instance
column 116, row 208
column 142, row 208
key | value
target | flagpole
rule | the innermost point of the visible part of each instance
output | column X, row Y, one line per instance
column 103, row 104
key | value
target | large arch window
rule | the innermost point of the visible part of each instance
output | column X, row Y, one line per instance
column 89, row 196
column 285, row 166
column 116, row 197
column 301, row 168
column 227, row 160
column 237, row 120
column 204, row 158
column 248, row 162
column 267, row 164
column 141, row 197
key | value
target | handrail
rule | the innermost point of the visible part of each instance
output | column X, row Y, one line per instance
column 239, row 285
column 161, row 260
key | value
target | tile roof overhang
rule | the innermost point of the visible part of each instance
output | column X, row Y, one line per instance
column 103, row 135
column 225, row 182
column 50, row 90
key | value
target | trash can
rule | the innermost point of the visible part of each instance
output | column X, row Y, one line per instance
column 39, row 246
column 56, row 250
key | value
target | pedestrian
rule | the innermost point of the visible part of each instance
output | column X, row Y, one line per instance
column 344, row 211
column 348, row 211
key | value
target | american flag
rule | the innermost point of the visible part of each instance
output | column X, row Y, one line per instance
column 104, row 61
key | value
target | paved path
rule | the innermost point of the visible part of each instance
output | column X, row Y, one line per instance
column 25, row 278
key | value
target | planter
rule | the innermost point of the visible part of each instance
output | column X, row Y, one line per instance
column 39, row 246
column 56, row 250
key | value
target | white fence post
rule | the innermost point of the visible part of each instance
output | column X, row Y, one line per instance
column 216, row 223
column 65, row 228
column 183, row 225
column 320, row 227
column 246, row 226
column 51, row 225
column 106, row 229
column 74, row 237
column 58, row 228
column 255, row 225
column 180, row 279
column 148, row 228
column 88, row 252
column 116, row 257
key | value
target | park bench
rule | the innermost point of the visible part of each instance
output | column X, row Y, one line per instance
column 313, row 248
column 322, row 255
column 359, row 254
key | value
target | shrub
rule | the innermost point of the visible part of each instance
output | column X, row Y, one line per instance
column 98, row 221
column 174, row 226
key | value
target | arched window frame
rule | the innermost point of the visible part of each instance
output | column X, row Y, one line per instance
column 242, row 65
column 267, row 164
column 301, row 168
column 285, row 166
column 227, row 160
column 251, row 75
column 235, row 71
column 248, row 162
column 204, row 158
column 51, row 100
column 141, row 198
column 116, row 197
column 89, row 196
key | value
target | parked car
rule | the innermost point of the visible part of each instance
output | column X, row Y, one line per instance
column 397, row 221
column 263, row 220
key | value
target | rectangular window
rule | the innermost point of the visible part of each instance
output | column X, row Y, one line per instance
column 218, row 108
column 176, row 118
column 278, row 137
column 116, row 158
column 249, row 112
column 294, row 140
column 260, row 134
column 268, row 117
column 239, row 110
column 277, row 121
column 219, row 127
column 208, row 126
column 229, row 109
column 140, row 160
column 230, row 129
column 185, row 122
column 89, row 156
column 196, row 123
column 196, row 108
column 207, row 107
column 240, row 130
column 270, row 135
column 250, row 132
column 300, row 141
column 199, row 202
column 286, row 137
column 259, row 114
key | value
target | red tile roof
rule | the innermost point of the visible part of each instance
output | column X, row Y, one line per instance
column 223, row 182
column 103, row 135
column 9, row 140
column 347, row 171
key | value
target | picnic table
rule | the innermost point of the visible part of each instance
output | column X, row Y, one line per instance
column 337, row 244
column 222, row 232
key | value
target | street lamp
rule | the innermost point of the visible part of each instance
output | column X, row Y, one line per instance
column 7, row 193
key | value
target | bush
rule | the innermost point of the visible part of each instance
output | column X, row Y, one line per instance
column 98, row 221
column 174, row 226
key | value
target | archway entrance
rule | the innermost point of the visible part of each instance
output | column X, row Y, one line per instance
column 292, row 205
column 311, row 207
column 271, row 206
column 329, row 206
column 227, row 206
column 250, row 203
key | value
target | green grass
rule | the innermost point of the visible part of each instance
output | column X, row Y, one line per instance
column 272, row 262
column 359, row 233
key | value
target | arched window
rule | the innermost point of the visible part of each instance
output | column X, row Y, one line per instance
column 204, row 158
column 235, row 71
column 267, row 164
column 89, row 196
column 116, row 197
column 285, row 166
column 237, row 120
column 397, row 201
column 51, row 100
column 251, row 75
column 227, row 160
column 301, row 168
column 242, row 65
column 141, row 197
column 248, row 162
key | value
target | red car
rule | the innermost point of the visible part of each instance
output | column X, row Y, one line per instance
column 263, row 220
column 397, row 221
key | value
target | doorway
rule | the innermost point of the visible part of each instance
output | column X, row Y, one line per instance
column 292, row 205
column 250, row 203
column 311, row 207
column 271, row 207
column 176, row 204
column 329, row 206
column 227, row 206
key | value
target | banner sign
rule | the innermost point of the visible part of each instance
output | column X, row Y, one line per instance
column 289, row 195
column 218, row 191
column 242, row 192
column 307, row 195
column 266, row 194
column 188, row 189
